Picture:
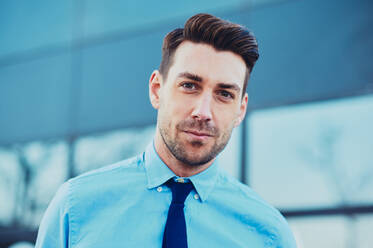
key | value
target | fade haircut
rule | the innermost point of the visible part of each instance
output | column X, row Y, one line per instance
column 222, row 35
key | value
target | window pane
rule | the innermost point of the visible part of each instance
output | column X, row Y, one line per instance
column 230, row 157
column 314, row 154
column 35, row 98
column 28, row 25
column 29, row 177
column 106, row 16
column 363, row 231
column 335, row 231
column 103, row 149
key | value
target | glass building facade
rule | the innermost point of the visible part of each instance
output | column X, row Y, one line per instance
column 74, row 97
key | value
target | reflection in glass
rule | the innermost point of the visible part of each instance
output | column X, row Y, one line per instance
column 29, row 176
column 103, row 149
column 333, row 231
column 317, row 154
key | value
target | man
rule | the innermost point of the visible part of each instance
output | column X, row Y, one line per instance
column 174, row 194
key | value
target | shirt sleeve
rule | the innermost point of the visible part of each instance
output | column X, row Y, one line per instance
column 54, row 227
column 286, row 235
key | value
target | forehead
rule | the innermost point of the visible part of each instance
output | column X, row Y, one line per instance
column 212, row 65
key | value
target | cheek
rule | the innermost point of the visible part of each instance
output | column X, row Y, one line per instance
column 226, row 119
column 170, row 113
column 180, row 107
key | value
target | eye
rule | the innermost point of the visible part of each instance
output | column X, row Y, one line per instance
column 188, row 86
column 226, row 95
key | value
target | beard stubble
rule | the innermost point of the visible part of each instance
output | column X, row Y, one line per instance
column 179, row 150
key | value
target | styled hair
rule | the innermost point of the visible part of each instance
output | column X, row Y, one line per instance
column 222, row 35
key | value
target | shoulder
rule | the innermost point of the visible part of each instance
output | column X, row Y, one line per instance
column 81, row 197
column 255, row 211
column 106, row 181
column 242, row 192
column 122, row 169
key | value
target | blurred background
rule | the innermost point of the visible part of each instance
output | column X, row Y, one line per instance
column 73, row 97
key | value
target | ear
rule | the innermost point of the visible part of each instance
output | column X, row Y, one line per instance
column 154, row 88
column 242, row 111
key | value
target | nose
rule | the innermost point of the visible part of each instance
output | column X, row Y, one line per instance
column 202, row 108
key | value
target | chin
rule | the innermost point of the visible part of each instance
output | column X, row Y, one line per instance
column 197, row 157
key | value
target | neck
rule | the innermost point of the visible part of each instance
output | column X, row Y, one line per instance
column 179, row 168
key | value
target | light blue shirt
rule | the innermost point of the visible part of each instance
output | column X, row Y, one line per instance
column 126, row 205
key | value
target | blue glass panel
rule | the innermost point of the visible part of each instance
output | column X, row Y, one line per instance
column 32, row 24
column 230, row 157
column 34, row 99
column 317, row 154
column 115, row 83
column 114, row 15
column 100, row 149
column 30, row 174
column 332, row 231
column 311, row 50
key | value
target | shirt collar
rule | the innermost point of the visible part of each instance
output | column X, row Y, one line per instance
column 205, row 181
column 158, row 173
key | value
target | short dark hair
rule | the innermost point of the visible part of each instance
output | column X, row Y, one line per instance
column 222, row 35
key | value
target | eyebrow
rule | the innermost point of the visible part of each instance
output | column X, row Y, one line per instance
column 232, row 86
column 197, row 78
column 190, row 76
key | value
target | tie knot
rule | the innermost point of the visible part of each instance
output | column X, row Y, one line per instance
column 180, row 191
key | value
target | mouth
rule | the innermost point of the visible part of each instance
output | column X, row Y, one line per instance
column 197, row 134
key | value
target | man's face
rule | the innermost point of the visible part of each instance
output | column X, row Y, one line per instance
column 200, row 102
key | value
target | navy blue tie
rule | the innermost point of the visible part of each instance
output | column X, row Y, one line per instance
column 175, row 235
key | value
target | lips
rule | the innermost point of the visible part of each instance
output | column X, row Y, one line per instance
column 198, row 133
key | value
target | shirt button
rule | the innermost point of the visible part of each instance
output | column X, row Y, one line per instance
column 159, row 189
column 180, row 180
column 196, row 196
